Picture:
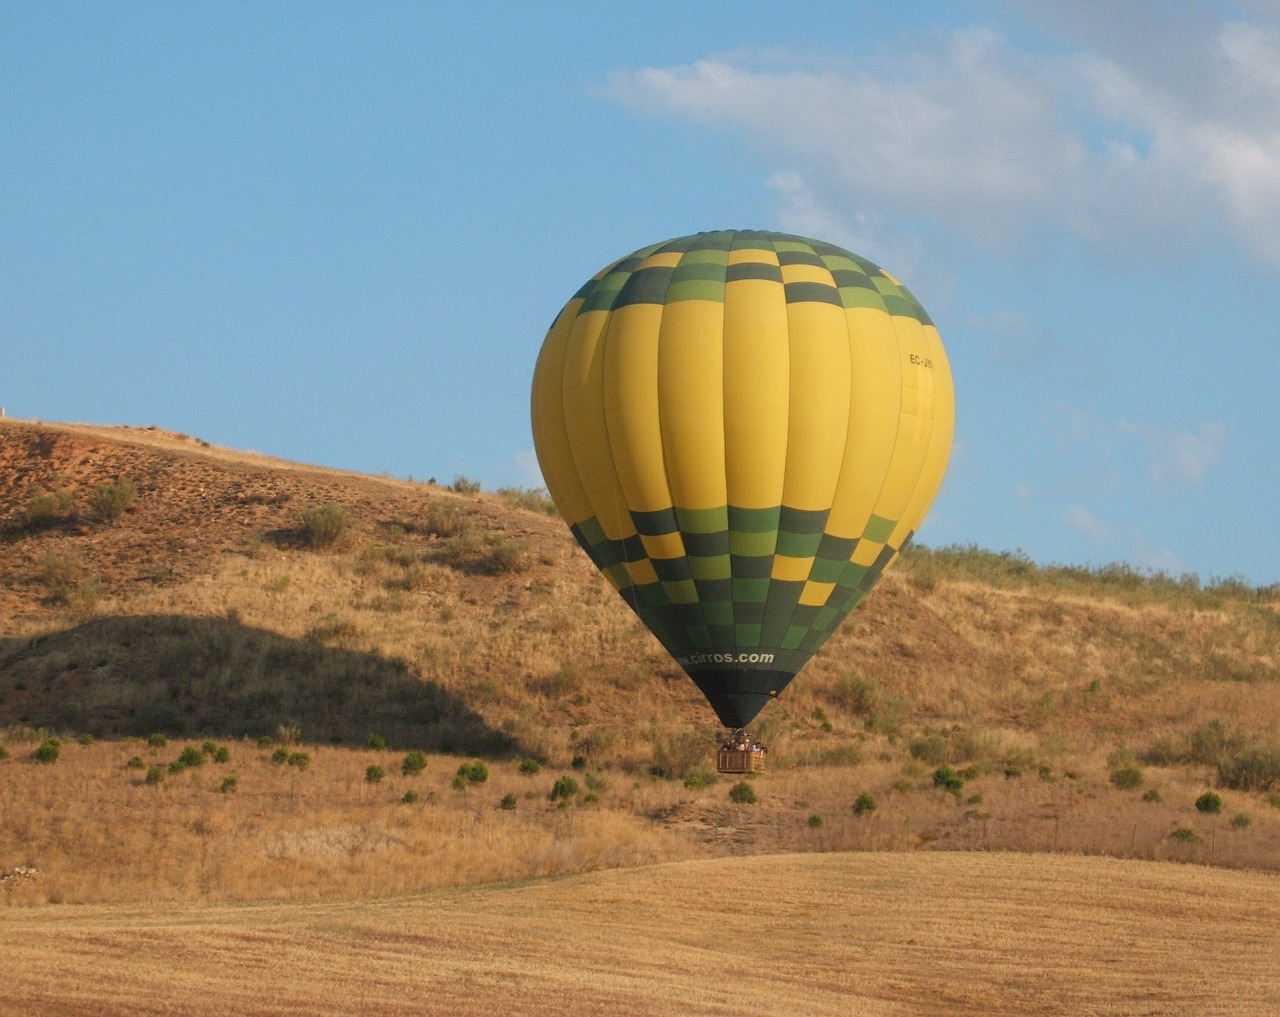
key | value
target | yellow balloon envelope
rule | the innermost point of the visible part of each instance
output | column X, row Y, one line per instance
column 742, row 430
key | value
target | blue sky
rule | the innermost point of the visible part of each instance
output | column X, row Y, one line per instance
column 337, row 233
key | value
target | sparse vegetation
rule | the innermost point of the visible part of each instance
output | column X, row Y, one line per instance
column 742, row 793
column 1209, row 803
column 413, row 763
column 564, row 788
column 108, row 502
column 323, row 525
column 47, row 751
column 474, row 772
column 864, row 804
column 374, row 774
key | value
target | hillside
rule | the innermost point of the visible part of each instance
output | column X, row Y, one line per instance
column 1071, row 709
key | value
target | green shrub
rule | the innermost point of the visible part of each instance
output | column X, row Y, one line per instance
column 864, row 804
column 465, row 485
column 177, row 766
column 946, row 778
column 564, row 788
column 46, row 508
column 322, row 525
column 1255, row 769
column 157, row 741
column 374, row 774
column 534, row 499
column 288, row 734
column 742, row 793
column 222, row 754
column 208, row 747
column 4, row 753
column 529, row 767
column 930, row 748
column 413, row 763
column 509, row 556
column 48, row 751
column 410, row 797
column 60, row 571
column 815, row 822
column 108, row 502
column 700, row 777
column 191, row 756
column 154, row 775
column 280, row 755
column 1241, row 819
column 265, row 742
column 1209, row 803
column 136, row 763
column 1183, row 835
column 508, row 801
column 444, row 518
column 1011, row 772
column 299, row 760
column 376, row 741
column 1127, row 778
column 1152, row 795
column 85, row 739
column 474, row 772
column 229, row 783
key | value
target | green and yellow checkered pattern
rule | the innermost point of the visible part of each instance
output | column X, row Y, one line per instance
column 743, row 429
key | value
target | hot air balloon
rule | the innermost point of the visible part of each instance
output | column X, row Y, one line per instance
column 742, row 429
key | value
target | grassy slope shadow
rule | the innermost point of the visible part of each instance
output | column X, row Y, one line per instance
column 215, row 677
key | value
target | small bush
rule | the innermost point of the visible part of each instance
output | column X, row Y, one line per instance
column 474, row 772
column 157, row 741
column 864, row 804
column 742, row 793
column 222, row 754
column 85, row 739
column 946, row 778
column 265, row 742
column 1012, row 772
column 444, row 518
column 1241, row 819
column 1209, row 803
column 815, row 822
column 564, row 788
column 46, row 509
column 177, row 766
column 1183, row 835
column 374, row 774
column 191, row 756
column 60, row 571
column 1152, row 795
column 376, row 741
column 280, row 755
column 508, row 802
column 465, row 485
column 322, row 525
column 154, row 775
column 699, row 777
column 1251, row 770
column 930, row 748
column 208, row 747
column 1127, row 778
column 534, row 499
column 108, row 502
column 413, row 763
column 529, row 767
column 288, row 734
column 4, row 753
column 229, row 783
column 410, row 797
column 48, row 751
column 299, row 760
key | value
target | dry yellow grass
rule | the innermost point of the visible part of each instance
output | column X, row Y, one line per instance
column 212, row 620
column 869, row 934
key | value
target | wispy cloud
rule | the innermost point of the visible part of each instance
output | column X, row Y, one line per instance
column 1180, row 458
column 1003, row 144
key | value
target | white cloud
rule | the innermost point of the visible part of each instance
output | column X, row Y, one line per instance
column 1123, row 543
column 1080, row 518
column 1180, row 458
column 1123, row 146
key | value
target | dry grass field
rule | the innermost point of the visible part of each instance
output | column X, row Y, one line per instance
column 987, row 745
column 868, row 934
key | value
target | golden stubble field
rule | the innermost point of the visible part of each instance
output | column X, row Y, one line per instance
column 981, row 934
